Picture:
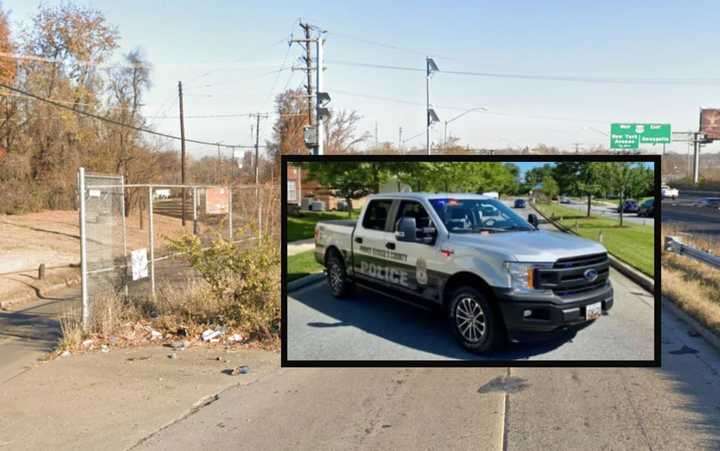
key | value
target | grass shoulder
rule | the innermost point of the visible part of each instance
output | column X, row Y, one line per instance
column 303, row 226
column 301, row 265
column 631, row 243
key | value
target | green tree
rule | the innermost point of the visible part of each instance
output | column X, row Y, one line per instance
column 349, row 179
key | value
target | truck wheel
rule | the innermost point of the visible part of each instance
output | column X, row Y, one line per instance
column 474, row 321
column 338, row 281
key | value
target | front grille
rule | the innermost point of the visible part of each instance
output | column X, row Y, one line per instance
column 567, row 276
column 584, row 260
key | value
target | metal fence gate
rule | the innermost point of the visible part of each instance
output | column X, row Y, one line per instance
column 118, row 249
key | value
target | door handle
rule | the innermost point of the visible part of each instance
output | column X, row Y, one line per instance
column 390, row 245
column 358, row 239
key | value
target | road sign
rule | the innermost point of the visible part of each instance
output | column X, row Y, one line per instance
column 630, row 136
column 216, row 201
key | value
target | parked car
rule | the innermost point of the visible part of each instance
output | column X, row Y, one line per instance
column 630, row 206
column 520, row 203
column 493, row 276
column 667, row 192
column 565, row 200
column 647, row 208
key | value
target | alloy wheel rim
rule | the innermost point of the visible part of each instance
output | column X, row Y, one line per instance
column 336, row 277
column 470, row 319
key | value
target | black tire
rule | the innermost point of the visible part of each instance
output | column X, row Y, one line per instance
column 338, row 282
column 482, row 334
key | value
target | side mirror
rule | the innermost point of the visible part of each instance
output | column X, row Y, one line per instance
column 532, row 219
column 406, row 230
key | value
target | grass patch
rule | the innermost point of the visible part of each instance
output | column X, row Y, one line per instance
column 631, row 243
column 303, row 227
column 692, row 285
column 301, row 265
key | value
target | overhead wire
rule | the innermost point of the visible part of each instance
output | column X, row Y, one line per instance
column 118, row 123
column 573, row 79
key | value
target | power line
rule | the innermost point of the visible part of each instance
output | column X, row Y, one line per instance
column 222, row 115
column 489, row 112
column 605, row 80
column 389, row 46
column 118, row 123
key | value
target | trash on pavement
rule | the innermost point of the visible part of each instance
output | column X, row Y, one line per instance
column 210, row 334
column 87, row 343
column 172, row 356
column 104, row 348
column 65, row 354
column 235, row 338
column 180, row 345
column 154, row 335
column 239, row 370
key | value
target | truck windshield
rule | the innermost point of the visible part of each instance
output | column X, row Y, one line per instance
column 478, row 215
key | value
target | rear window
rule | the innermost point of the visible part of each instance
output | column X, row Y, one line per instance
column 376, row 214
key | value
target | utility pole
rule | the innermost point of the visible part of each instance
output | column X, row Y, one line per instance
column 577, row 147
column 427, row 103
column 696, row 157
column 182, row 151
column 217, row 166
column 319, row 119
column 258, row 116
column 308, row 64
column 430, row 115
column 400, row 140
column 376, row 134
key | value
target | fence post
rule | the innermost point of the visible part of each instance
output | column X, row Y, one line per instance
column 230, row 214
column 194, row 194
column 151, row 230
column 125, row 259
column 83, row 252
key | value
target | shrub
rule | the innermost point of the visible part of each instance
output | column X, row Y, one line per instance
column 244, row 282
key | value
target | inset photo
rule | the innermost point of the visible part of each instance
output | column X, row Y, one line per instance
column 464, row 261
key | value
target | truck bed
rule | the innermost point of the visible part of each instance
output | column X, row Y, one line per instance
column 341, row 222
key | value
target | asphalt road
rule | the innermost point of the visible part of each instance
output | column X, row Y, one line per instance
column 673, row 407
column 687, row 217
column 29, row 332
column 371, row 327
column 610, row 212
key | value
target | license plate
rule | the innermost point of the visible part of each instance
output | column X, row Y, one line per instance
column 593, row 311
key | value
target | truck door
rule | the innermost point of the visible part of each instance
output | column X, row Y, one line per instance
column 370, row 246
column 417, row 257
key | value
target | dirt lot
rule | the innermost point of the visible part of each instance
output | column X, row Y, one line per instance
column 52, row 237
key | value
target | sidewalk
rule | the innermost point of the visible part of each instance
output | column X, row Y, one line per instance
column 296, row 247
column 115, row 400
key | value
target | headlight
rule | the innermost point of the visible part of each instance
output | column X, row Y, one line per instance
column 521, row 276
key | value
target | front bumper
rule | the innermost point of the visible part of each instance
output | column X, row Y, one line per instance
column 548, row 315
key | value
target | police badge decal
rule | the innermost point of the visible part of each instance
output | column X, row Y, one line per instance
column 421, row 271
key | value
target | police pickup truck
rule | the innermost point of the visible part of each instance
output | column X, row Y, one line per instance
column 494, row 274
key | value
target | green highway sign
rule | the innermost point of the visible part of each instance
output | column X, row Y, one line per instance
column 630, row 136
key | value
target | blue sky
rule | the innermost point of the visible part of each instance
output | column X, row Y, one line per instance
column 223, row 51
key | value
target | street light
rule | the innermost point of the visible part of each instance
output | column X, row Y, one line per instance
column 431, row 117
column 458, row 117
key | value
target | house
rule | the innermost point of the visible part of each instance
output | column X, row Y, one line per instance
column 302, row 191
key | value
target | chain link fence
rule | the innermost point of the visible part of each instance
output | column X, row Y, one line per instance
column 126, row 231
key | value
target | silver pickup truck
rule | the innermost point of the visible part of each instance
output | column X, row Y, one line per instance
column 494, row 274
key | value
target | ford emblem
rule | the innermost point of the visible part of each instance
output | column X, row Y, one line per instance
column 591, row 275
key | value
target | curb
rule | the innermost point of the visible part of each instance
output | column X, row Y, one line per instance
column 711, row 337
column 305, row 281
column 628, row 271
